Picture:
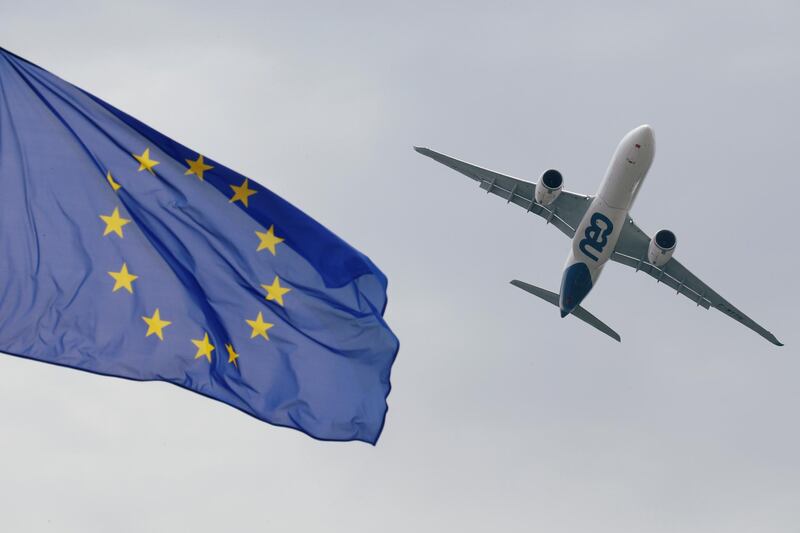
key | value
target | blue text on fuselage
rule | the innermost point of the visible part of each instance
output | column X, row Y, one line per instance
column 596, row 236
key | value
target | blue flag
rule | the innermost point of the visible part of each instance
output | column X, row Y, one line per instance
column 124, row 253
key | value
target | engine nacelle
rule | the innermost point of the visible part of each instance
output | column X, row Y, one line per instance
column 662, row 246
column 549, row 187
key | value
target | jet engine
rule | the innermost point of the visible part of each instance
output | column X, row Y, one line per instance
column 662, row 246
column 549, row 187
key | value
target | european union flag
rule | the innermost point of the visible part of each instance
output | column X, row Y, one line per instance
column 124, row 253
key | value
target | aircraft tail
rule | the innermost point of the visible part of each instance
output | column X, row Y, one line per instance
column 579, row 311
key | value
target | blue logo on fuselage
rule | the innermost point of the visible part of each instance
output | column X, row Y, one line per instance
column 596, row 236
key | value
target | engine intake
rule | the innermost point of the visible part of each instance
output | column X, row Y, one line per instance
column 662, row 246
column 549, row 187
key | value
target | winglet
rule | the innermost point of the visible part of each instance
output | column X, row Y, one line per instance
column 578, row 312
column 773, row 339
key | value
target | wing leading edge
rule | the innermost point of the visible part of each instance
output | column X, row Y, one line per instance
column 631, row 250
column 565, row 212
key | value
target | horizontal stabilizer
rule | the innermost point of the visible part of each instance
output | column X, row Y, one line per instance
column 579, row 311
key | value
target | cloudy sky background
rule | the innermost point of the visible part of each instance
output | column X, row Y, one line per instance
column 502, row 415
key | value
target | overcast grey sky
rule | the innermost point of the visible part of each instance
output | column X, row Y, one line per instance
column 502, row 415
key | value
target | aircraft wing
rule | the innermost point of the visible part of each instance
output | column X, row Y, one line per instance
column 565, row 212
column 631, row 250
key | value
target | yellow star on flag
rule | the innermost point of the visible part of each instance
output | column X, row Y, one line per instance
column 232, row 355
column 114, row 223
column 197, row 167
column 145, row 163
column 259, row 327
column 242, row 192
column 204, row 348
column 114, row 185
column 123, row 279
column 268, row 240
column 275, row 292
column 155, row 325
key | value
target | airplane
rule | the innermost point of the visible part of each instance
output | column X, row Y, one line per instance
column 601, row 229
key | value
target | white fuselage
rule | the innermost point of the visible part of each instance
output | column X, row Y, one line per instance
column 597, row 234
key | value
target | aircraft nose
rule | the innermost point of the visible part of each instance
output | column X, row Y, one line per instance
column 646, row 131
column 640, row 145
column 644, row 136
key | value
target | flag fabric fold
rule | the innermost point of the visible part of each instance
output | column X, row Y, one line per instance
column 124, row 253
